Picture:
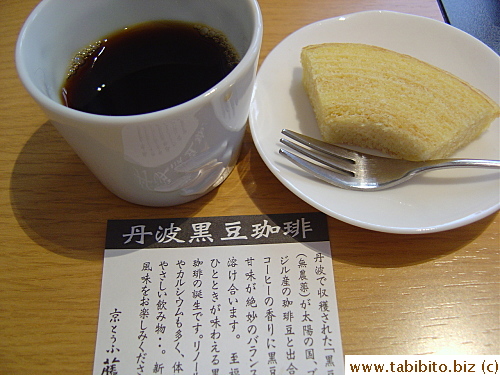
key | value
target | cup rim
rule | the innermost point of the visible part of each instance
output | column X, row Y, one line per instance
column 52, row 106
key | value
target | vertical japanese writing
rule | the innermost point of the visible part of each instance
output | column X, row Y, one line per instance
column 197, row 313
column 161, row 313
column 177, row 366
column 323, row 306
column 251, row 316
column 306, row 320
column 144, row 312
column 215, row 311
column 269, row 318
column 232, row 266
column 288, row 314
column 111, row 362
column 264, row 309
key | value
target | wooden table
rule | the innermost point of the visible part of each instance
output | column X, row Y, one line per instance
column 397, row 294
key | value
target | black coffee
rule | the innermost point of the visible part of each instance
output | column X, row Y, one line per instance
column 148, row 67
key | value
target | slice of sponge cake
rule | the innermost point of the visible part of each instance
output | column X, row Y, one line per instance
column 376, row 98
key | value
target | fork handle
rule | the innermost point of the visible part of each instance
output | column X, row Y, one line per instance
column 452, row 163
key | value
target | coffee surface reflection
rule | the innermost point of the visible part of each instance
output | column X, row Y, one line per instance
column 147, row 67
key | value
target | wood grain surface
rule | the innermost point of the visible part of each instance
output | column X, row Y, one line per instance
column 397, row 294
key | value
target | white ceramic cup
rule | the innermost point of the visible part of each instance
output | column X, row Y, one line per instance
column 160, row 158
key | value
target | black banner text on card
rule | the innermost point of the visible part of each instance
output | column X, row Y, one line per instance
column 216, row 231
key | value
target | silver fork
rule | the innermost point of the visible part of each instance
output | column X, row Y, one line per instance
column 355, row 170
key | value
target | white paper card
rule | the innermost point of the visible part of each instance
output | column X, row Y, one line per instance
column 239, row 295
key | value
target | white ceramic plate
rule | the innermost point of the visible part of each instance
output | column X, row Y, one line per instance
column 434, row 201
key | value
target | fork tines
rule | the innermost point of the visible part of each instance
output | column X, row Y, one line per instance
column 335, row 157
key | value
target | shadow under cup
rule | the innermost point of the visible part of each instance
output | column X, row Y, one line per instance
column 162, row 158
